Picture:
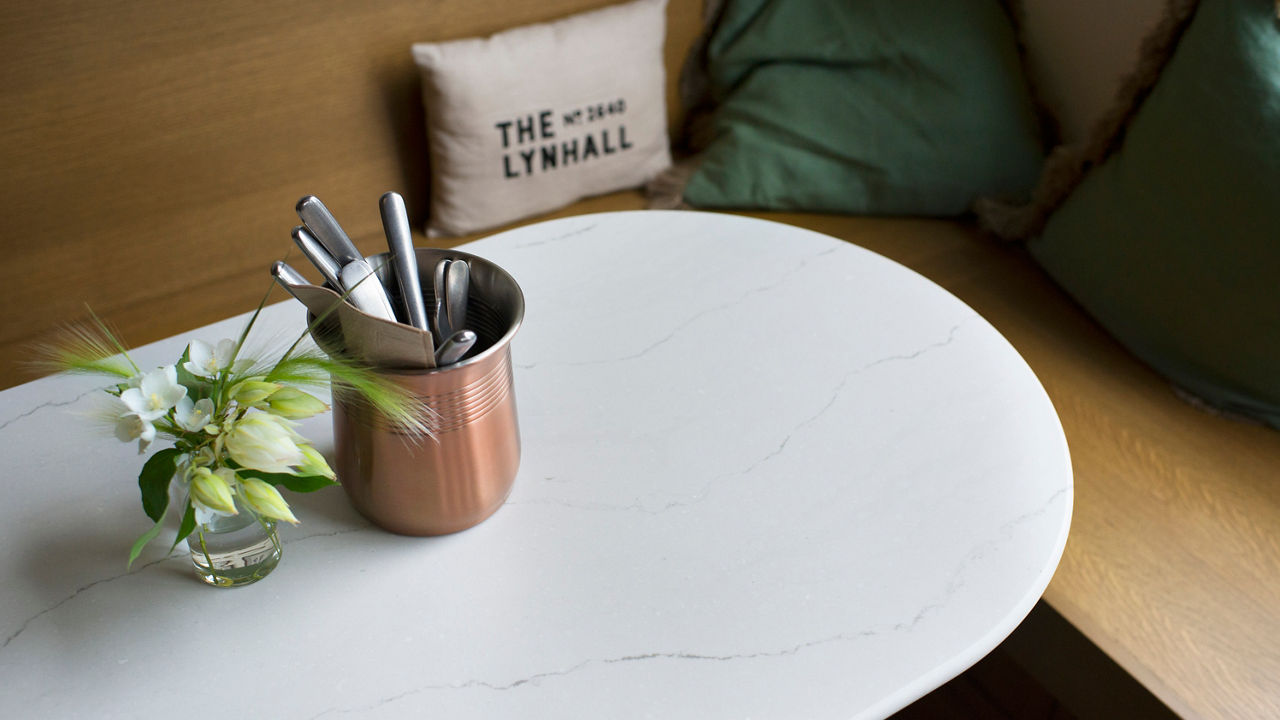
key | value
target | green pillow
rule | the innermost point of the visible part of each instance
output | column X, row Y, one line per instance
column 873, row 107
column 1173, row 242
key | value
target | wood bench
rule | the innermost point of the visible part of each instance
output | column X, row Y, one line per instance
column 153, row 153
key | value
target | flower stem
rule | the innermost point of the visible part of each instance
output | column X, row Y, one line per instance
column 204, row 548
column 271, row 533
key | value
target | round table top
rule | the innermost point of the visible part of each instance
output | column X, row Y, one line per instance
column 765, row 473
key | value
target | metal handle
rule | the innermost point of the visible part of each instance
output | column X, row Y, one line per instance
column 455, row 348
column 441, row 317
column 327, row 230
column 286, row 275
column 457, row 285
column 318, row 256
column 395, row 221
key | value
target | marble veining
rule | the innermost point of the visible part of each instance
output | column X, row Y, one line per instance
column 557, row 238
column 765, row 473
column 51, row 404
column 177, row 554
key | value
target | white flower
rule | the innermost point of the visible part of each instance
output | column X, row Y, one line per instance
column 155, row 394
column 193, row 416
column 203, row 456
column 264, row 442
column 130, row 426
column 207, row 362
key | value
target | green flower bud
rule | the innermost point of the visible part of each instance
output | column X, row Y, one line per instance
column 252, row 393
column 212, row 490
column 314, row 463
column 294, row 403
column 265, row 500
column 264, row 442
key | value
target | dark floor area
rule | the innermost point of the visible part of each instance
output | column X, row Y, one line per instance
column 1044, row 670
column 997, row 688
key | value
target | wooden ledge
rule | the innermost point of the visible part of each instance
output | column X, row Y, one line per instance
column 1173, row 563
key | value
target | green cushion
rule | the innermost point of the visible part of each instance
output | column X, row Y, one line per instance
column 872, row 107
column 1173, row 243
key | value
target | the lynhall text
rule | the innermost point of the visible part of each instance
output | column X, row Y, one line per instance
column 537, row 148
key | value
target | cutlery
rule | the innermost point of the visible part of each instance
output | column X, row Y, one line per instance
column 365, row 291
column 443, row 329
column 286, row 277
column 318, row 256
column 326, row 229
column 319, row 300
column 395, row 221
column 457, row 285
column 455, row 347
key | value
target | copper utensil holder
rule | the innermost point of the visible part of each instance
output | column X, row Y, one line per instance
column 440, row 485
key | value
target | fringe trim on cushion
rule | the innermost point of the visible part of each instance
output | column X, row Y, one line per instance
column 1067, row 165
column 1049, row 125
column 1203, row 405
column 666, row 190
column 694, row 87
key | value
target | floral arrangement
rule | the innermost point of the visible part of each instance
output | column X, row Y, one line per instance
column 231, row 420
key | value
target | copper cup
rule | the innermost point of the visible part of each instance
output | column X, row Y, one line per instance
column 435, row 486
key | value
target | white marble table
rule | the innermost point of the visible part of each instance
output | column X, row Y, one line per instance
column 766, row 474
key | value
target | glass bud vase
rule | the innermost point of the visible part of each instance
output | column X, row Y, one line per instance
column 234, row 550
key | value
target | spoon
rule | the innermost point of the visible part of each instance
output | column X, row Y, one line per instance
column 457, row 285
column 443, row 330
column 455, row 347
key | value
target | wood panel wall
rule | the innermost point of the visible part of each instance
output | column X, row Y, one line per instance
column 153, row 151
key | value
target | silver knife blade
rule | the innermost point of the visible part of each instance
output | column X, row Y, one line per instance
column 365, row 291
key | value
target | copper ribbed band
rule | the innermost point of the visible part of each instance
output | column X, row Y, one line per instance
column 463, row 474
column 458, row 408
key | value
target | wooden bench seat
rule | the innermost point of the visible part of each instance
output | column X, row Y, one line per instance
column 153, row 153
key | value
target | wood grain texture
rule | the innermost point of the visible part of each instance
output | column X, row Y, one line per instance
column 153, row 151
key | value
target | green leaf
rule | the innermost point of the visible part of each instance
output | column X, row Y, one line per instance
column 296, row 483
column 186, row 527
column 141, row 542
column 154, row 482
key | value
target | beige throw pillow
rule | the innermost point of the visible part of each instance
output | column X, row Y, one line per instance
column 535, row 118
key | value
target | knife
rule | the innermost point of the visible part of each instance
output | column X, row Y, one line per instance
column 322, row 224
column 318, row 256
column 395, row 220
column 365, row 291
